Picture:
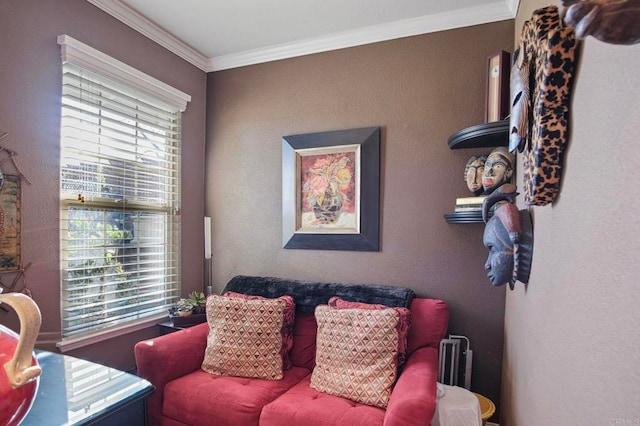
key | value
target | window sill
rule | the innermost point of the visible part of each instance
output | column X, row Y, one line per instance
column 71, row 343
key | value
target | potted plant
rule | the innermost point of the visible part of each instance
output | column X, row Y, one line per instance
column 198, row 300
column 189, row 310
column 182, row 308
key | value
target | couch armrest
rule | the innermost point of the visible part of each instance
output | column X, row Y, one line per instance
column 168, row 357
column 429, row 325
column 413, row 399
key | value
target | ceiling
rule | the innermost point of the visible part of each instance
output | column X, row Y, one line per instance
column 220, row 34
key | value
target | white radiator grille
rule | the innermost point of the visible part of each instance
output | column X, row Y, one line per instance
column 455, row 363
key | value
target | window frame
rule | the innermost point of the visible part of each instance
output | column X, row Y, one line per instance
column 146, row 87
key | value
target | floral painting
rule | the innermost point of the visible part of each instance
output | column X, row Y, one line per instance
column 331, row 190
column 328, row 185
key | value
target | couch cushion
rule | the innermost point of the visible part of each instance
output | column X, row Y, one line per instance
column 305, row 406
column 287, row 323
column 309, row 294
column 356, row 353
column 403, row 324
column 244, row 338
column 303, row 353
column 202, row 399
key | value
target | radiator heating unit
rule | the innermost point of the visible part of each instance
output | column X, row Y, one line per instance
column 456, row 359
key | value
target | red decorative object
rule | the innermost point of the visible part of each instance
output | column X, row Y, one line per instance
column 20, row 370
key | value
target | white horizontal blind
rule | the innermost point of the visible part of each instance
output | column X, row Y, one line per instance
column 120, row 191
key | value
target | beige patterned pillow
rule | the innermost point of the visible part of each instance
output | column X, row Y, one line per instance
column 244, row 337
column 356, row 353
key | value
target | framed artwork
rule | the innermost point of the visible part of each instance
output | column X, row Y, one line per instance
column 497, row 98
column 331, row 190
column 10, row 224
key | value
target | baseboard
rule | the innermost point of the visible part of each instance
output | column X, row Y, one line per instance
column 491, row 424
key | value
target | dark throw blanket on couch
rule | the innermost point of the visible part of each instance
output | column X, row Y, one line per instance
column 309, row 294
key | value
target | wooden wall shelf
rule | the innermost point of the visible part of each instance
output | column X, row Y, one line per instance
column 463, row 217
column 495, row 133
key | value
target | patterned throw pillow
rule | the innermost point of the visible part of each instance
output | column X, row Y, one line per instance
column 356, row 353
column 244, row 337
column 403, row 325
column 287, row 324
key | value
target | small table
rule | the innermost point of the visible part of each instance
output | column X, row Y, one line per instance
column 487, row 407
column 180, row 323
column 78, row 392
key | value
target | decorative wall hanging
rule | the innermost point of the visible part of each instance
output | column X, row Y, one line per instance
column 498, row 169
column 508, row 235
column 497, row 98
column 541, row 79
column 331, row 190
column 13, row 286
column 11, row 156
column 473, row 171
column 610, row 21
column 10, row 224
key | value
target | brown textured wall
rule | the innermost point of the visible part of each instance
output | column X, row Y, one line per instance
column 419, row 90
column 571, row 337
column 30, row 78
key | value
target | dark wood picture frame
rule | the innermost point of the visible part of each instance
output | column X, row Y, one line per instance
column 497, row 89
column 365, row 236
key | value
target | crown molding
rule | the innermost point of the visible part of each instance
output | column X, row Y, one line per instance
column 144, row 26
column 493, row 12
column 513, row 6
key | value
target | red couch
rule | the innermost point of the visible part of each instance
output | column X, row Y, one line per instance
column 186, row 395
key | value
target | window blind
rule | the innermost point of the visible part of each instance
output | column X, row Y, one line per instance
column 120, row 203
